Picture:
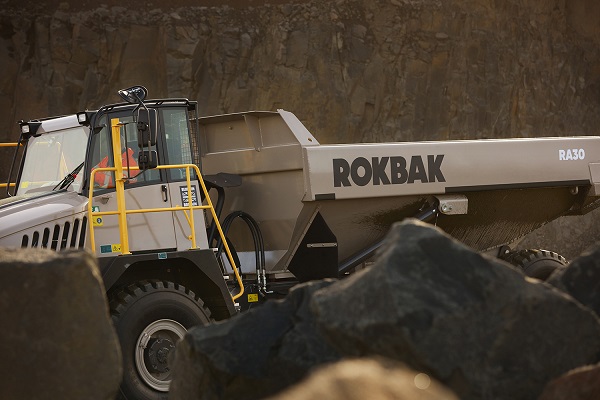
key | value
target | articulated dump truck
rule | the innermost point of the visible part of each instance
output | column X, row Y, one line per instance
column 193, row 219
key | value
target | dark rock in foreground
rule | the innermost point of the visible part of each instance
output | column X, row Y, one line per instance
column 253, row 354
column 582, row 279
column 58, row 341
column 473, row 323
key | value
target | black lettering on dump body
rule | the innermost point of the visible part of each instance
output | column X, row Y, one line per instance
column 379, row 174
column 362, row 171
column 341, row 172
column 361, row 180
column 417, row 170
column 398, row 170
column 434, row 164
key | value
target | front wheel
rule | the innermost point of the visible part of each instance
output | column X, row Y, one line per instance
column 150, row 317
column 536, row 263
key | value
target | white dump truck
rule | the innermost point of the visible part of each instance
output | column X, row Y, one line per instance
column 194, row 219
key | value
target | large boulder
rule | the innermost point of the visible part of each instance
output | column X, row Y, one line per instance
column 474, row 323
column 359, row 379
column 582, row 383
column 253, row 354
column 581, row 279
column 58, row 340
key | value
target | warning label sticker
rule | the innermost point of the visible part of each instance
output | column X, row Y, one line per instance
column 97, row 221
column 185, row 198
column 110, row 248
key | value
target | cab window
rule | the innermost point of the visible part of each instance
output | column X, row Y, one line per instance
column 102, row 155
column 177, row 139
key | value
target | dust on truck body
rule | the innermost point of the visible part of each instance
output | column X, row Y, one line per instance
column 271, row 207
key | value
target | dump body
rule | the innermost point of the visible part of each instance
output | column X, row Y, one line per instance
column 497, row 190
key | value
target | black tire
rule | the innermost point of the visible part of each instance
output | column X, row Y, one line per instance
column 150, row 317
column 536, row 263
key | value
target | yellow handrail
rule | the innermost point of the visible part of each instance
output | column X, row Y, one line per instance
column 122, row 211
column 190, row 208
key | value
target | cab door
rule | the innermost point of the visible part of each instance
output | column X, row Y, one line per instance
column 148, row 231
column 178, row 147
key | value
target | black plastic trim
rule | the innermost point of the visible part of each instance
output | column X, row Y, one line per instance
column 325, row 196
column 528, row 185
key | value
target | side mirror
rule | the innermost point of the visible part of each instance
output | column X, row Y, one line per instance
column 146, row 127
column 134, row 94
column 147, row 159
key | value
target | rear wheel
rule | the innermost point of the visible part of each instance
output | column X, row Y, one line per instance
column 536, row 263
column 150, row 317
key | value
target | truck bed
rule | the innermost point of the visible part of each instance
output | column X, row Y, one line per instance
column 343, row 198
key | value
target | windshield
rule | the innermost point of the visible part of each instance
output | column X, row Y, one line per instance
column 50, row 157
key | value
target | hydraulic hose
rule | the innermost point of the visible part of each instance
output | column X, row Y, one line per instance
column 259, row 249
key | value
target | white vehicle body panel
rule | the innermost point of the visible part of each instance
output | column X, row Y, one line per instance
column 25, row 223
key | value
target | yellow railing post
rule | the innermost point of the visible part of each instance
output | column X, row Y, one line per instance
column 218, row 225
column 119, row 184
column 191, row 208
column 90, row 211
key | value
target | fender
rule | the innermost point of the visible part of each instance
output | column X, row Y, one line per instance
column 198, row 270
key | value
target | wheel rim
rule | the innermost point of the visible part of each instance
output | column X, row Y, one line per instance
column 152, row 350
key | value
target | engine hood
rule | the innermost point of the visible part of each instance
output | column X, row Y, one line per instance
column 24, row 213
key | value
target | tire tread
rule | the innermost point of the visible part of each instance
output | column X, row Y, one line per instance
column 120, row 301
column 526, row 259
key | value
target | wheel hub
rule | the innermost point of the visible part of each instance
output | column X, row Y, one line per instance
column 154, row 347
column 156, row 355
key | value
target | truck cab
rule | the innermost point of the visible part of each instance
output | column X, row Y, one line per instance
column 124, row 182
